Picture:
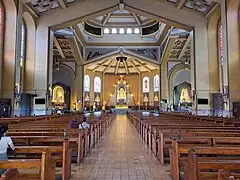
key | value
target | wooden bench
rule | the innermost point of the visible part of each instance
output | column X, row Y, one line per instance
column 46, row 166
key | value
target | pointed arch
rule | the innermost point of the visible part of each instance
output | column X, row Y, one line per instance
column 30, row 41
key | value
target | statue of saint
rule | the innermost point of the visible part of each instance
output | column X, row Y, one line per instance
column 185, row 96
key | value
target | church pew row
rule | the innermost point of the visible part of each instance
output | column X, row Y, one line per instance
column 198, row 166
column 160, row 139
column 60, row 154
column 189, row 141
column 227, row 175
column 10, row 174
column 44, row 167
column 179, row 152
column 88, row 139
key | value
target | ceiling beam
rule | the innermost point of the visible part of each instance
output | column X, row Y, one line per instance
column 137, row 19
column 134, row 66
column 62, row 4
column 98, row 66
column 212, row 10
column 58, row 47
column 76, row 51
column 126, row 68
column 31, row 11
column 165, row 32
column 116, row 70
column 143, row 65
column 181, row 3
column 78, row 34
column 105, row 70
column 105, row 20
column 185, row 47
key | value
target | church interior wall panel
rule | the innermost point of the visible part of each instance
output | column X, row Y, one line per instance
column 30, row 52
column 213, row 25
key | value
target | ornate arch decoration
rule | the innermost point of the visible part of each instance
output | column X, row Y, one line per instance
column 171, row 76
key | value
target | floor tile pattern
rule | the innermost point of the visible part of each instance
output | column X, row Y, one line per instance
column 120, row 155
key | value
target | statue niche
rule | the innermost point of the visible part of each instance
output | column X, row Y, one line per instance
column 122, row 96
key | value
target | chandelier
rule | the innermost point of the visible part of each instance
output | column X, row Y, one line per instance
column 121, row 58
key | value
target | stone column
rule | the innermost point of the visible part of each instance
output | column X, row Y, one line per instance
column 18, row 68
column 43, row 69
column 233, row 51
column 79, row 81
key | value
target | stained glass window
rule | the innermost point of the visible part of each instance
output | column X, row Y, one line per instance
column 97, row 84
column 22, row 53
column 86, row 83
column 156, row 83
column 221, row 43
column 146, row 85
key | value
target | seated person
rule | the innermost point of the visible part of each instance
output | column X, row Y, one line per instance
column 74, row 123
column 59, row 112
column 84, row 124
column 4, row 143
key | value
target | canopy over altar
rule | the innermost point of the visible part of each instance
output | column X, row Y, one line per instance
column 121, row 98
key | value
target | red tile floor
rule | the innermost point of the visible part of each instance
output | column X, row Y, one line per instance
column 120, row 154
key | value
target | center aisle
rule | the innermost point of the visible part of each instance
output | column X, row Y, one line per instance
column 120, row 154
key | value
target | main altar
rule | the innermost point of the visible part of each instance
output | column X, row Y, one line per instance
column 121, row 98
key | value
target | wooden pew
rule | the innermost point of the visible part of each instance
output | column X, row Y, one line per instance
column 196, row 163
column 46, row 165
column 10, row 174
column 226, row 175
column 59, row 154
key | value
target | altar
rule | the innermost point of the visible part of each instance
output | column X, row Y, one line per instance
column 121, row 98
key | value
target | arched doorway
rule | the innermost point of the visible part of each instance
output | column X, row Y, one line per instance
column 61, row 97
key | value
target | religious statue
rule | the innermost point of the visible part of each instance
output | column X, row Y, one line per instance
column 185, row 96
column 121, row 93
column 146, row 84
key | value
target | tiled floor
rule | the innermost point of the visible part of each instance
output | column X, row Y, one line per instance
column 120, row 154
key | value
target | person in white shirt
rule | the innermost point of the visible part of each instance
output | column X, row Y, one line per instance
column 84, row 124
column 5, row 142
column 59, row 112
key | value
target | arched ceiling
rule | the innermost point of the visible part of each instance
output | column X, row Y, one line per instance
column 131, row 65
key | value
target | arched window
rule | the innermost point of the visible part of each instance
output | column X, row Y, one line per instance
column 86, row 83
column 97, row 84
column 22, row 53
column 114, row 31
column 220, row 34
column 129, row 31
column 121, row 31
column 106, row 31
column 136, row 31
column 156, row 83
column 145, row 85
